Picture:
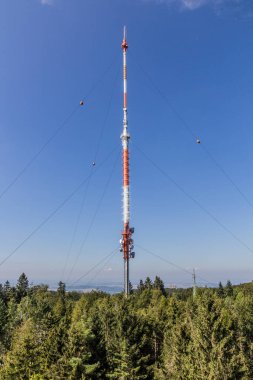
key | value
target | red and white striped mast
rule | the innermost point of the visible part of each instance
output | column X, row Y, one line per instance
column 126, row 241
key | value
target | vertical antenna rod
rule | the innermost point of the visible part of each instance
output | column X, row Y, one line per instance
column 126, row 241
column 194, row 287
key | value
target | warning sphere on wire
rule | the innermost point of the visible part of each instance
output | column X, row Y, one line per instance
column 81, row 103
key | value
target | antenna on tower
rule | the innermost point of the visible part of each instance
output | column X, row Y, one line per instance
column 126, row 241
column 194, row 286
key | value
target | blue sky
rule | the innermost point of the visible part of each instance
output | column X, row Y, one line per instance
column 196, row 53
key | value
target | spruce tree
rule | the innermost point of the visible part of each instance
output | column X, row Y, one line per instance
column 229, row 289
column 22, row 287
column 159, row 285
column 148, row 283
column 220, row 290
column 141, row 286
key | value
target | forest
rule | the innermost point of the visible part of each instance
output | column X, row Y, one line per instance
column 153, row 334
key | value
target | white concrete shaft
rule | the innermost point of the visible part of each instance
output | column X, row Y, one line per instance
column 126, row 205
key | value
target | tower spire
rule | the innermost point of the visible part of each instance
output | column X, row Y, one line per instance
column 126, row 241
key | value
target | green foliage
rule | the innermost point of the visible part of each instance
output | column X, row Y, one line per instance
column 220, row 291
column 158, row 284
column 154, row 334
column 22, row 287
column 229, row 289
column 148, row 284
column 141, row 287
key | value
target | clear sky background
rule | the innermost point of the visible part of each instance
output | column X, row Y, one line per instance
column 196, row 53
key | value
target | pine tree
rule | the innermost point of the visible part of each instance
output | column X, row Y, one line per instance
column 24, row 358
column 61, row 290
column 220, row 290
column 175, row 344
column 148, row 284
column 229, row 289
column 8, row 292
column 22, row 287
column 141, row 286
column 60, row 306
column 81, row 351
column 129, row 347
column 159, row 285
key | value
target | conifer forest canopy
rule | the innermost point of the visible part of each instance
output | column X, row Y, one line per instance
column 156, row 333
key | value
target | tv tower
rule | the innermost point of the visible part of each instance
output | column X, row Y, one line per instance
column 126, row 241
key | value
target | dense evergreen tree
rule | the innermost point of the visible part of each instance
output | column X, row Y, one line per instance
column 22, row 287
column 61, row 290
column 220, row 291
column 148, row 284
column 158, row 284
column 7, row 292
column 229, row 289
column 140, row 287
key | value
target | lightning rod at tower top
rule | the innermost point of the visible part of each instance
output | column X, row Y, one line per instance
column 126, row 240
